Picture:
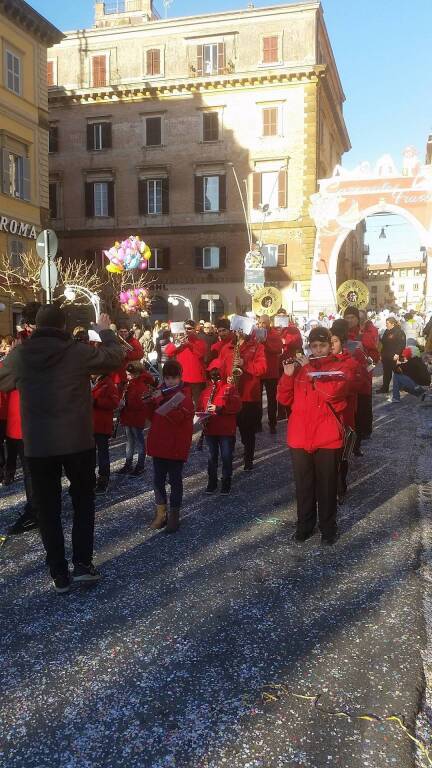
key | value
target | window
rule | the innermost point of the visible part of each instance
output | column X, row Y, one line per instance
column 99, row 71
column 415, row 287
column 160, row 259
column 153, row 62
column 211, row 59
column 374, row 289
column 13, row 72
column 99, row 199
column 50, row 73
column 99, row 136
column 153, row 196
column 210, row 126
column 210, row 193
column 270, row 50
column 270, row 121
column 17, row 249
column 270, row 188
column 15, row 175
column 53, row 139
column 210, row 257
column 55, row 200
column 274, row 256
column 153, row 131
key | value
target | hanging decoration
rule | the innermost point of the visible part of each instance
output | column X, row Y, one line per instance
column 352, row 293
column 134, row 299
column 130, row 254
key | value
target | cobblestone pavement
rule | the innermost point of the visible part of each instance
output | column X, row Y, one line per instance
column 165, row 663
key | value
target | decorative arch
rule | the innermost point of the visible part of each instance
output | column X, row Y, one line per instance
column 347, row 198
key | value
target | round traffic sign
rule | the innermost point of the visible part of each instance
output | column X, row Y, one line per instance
column 53, row 273
column 48, row 236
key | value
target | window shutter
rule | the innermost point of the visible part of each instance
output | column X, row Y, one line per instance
column 270, row 49
column 90, row 136
column 149, row 62
column 166, row 258
column 270, row 119
column 198, row 258
column 222, row 257
column 200, row 60
column 156, row 62
column 53, row 138
column 153, row 131
column 26, row 179
column 281, row 256
column 53, row 200
column 5, row 172
column 89, row 200
column 99, row 71
column 199, row 202
column 210, row 126
column 221, row 58
column 106, row 136
column 282, row 191
column 142, row 197
column 165, row 196
column 110, row 185
column 50, row 73
column 222, row 193
column 257, row 190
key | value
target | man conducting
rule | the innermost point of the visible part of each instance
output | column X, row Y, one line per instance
column 52, row 375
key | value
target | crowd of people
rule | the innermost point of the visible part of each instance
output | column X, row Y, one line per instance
column 64, row 397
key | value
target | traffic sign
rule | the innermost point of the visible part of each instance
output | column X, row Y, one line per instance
column 255, row 276
column 49, row 285
column 47, row 244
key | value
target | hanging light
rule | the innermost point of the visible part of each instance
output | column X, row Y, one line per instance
column 382, row 235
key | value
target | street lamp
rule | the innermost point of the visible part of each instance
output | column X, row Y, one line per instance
column 71, row 291
column 175, row 300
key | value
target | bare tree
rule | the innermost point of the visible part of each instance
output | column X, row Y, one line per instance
column 81, row 273
column 20, row 274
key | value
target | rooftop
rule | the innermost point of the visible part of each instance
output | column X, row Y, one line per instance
column 24, row 16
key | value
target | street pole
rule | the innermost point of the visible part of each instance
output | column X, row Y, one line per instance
column 47, row 266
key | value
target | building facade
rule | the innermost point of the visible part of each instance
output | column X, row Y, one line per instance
column 24, row 200
column 401, row 285
column 157, row 126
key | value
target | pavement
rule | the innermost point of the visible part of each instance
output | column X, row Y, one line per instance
column 226, row 644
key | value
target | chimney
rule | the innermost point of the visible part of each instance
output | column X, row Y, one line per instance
column 114, row 13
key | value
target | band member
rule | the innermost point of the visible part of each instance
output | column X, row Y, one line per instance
column 171, row 412
column 368, row 338
column 133, row 416
column 191, row 353
column 225, row 336
column 221, row 402
column 316, row 394
column 273, row 351
column 248, row 356
column 134, row 351
column 106, row 398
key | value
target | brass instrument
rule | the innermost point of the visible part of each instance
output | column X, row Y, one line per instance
column 236, row 371
column 200, row 442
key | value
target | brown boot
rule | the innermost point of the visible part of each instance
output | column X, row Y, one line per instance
column 160, row 519
column 173, row 521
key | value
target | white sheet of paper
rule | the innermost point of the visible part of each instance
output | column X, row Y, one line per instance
column 177, row 328
column 172, row 403
column 240, row 323
column 281, row 321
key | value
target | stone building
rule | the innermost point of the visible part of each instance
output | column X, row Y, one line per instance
column 400, row 285
column 152, row 120
column 24, row 205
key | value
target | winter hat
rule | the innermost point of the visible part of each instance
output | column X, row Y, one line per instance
column 319, row 334
column 340, row 329
column 51, row 316
column 410, row 352
column 222, row 322
column 352, row 311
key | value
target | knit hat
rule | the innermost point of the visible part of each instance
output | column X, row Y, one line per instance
column 319, row 334
column 51, row 316
column 410, row 352
column 222, row 322
column 352, row 311
column 340, row 329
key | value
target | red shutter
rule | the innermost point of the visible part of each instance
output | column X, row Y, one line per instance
column 89, row 200
column 199, row 192
column 99, row 71
column 282, row 191
column 257, row 190
column 281, row 256
column 153, row 61
column 270, row 49
column 142, row 197
column 221, row 58
column 50, row 73
column 200, row 60
column 165, row 196
column 222, row 193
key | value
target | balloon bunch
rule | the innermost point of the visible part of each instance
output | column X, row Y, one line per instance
column 132, row 253
column 134, row 299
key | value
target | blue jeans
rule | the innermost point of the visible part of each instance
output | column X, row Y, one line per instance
column 406, row 384
column 224, row 443
column 135, row 441
column 173, row 469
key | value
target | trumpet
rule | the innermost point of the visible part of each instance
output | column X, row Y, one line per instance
column 237, row 370
column 123, row 341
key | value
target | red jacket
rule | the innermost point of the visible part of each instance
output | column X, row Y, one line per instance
column 13, row 426
column 4, row 400
column 369, row 337
column 292, row 341
column 136, row 412
column 137, row 353
column 312, row 424
column 354, row 371
column 106, row 398
column 191, row 355
column 170, row 436
column 273, row 352
column 217, row 347
column 228, row 403
column 254, row 367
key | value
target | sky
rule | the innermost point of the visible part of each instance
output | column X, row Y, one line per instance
column 382, row 50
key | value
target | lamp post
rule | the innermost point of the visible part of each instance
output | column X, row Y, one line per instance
column 176, row 298
column 71, row 292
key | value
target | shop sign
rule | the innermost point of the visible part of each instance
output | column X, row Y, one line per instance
column 18, row 228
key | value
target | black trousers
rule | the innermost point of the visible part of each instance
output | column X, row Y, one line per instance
column 270, row 386
column 248, row 421
column 3, row 423
column 46, row 474
column 102, row 453
column 387, row 364
column 363, row 417
column 173, row 470
column 316, row 481
column 15, row 449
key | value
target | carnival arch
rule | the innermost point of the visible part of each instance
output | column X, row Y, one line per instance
column 347, row 198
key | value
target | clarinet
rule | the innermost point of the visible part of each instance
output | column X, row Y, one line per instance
column 200, row 442
column 119, row 413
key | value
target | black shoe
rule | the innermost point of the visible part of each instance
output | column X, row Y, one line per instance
column 300, row 538
column 101, row 486
column 86, row 574
column 330, row 540
column 8, row 477
column 357, row 452
column 226, row 485
column 212, row 486
column 248, row 467
column 138, row 471
column 24, row 524
column 62, row 583
column 273, row 430
column 126, row 469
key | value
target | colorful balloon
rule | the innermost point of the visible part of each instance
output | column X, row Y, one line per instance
column 133, row 253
